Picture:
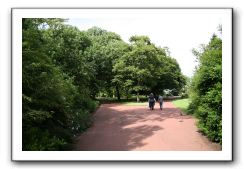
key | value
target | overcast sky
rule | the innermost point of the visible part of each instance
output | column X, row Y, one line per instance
column 180, row 30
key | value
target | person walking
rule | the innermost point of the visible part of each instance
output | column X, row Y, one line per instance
column 151, row 101
column 160, row 100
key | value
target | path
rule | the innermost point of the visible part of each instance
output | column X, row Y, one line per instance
column 119, row 127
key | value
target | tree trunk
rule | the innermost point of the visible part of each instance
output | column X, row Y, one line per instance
column 117, row 91
column 137, row 97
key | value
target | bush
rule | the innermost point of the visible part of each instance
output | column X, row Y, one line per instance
column 37, row 140
column 206, row 91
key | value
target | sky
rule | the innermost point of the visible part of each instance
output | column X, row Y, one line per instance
column 179, row 30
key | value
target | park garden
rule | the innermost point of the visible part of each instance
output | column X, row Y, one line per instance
column 67, row 73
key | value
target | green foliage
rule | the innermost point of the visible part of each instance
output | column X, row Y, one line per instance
column 206, row 90
column 146, row 68
column 106, row 48
column 41, row 140
column 64, row 69
column 66, row 46
column 56, row 105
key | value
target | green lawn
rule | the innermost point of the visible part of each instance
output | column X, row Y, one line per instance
column 181, row 104
column 135, row 103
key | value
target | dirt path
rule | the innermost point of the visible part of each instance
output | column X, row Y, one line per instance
column 119, row 127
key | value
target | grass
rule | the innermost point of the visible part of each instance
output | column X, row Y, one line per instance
column 182, row 104
column 135, row 103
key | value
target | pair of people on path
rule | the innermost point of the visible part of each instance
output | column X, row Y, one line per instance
column 152, row 100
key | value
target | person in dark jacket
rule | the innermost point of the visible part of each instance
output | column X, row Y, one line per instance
column 151, row 101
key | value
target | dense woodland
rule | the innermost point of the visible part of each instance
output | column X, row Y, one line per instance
column 66, row 70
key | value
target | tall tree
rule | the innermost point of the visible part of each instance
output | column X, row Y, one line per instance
column 46, row 93
column 54, row 109
column 106, row 48
column 66, row 48
column 168, row 75
column 146, row 68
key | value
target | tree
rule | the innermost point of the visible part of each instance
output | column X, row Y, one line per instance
column 169, row 75
column 54, row 110
column 45, row 93
column 146, row 68
column 135, row 67
column 66, row 48
column 115, row 50
column 206, row 90
column 106, row 48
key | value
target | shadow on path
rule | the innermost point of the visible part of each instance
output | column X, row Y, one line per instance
column 118, row 127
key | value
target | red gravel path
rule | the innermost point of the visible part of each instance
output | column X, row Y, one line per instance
column 119, row 127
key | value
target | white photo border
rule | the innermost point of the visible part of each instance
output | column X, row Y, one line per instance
column 18, row 155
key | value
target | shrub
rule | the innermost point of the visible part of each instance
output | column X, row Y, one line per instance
column 206, row 90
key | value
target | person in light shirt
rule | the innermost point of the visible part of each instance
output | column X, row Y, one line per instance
column 160, row 100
